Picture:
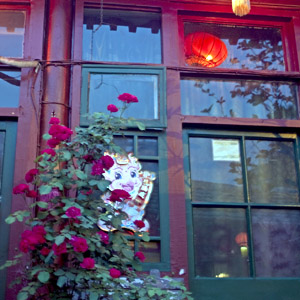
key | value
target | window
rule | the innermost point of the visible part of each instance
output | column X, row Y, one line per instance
column 149, row 148
column 102, row 86
column 123, row 36
column 132, row 36
column 8, row 133
column 10, row 87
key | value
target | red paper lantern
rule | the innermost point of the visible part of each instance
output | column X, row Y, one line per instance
column 204, row 49
column 242, row 239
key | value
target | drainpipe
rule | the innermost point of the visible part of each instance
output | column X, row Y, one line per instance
column 56, row 79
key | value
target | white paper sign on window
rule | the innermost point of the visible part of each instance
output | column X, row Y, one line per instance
column 226, row 150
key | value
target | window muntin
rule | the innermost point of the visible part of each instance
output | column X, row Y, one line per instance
column 12, row 30
column 248, row 47
column 103, row 85
column 10, row 88
column 239, row 98
column 2, row 140
column 124, row 36
column 266, row 218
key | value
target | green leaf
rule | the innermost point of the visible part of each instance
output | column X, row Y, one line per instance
column 81, row 175
column 42, row 214
column 22, row 296
column 59, row 239
column 103, row 185
column 47, row 136
column 58, row 185
column 67, row 155
column 62, row 280
column 127, row 253
column 42, row 204
column 94, row 296
column 59, row 272
column 45, row 189
column 151, row 293
column 43, row 276
column 10, row 220
column 93, row 182
column 145, row 237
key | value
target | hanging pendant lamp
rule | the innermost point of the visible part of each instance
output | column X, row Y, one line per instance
column 241, row 7
column 204, row 49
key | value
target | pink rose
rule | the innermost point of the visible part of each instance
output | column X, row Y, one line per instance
column 114, row 273
column 119, row 195
column 29, row 176
column 128, row 98
column 79, row 244
column 139, row 223
column 104, row 237
column 140, row 255
column 112, row 108
column 54, row 120
column 31, row 194
column 88, row 263
column 21, row 188
column 107, row 162
column 73, row 212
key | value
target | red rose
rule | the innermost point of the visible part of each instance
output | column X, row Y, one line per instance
column 21, row 188
column 29, row 239
column 88, row 263
column 114, row 273
column 54, row 120
column 79, row 244
column 97, row 168
column 73, row 212
column 59, row 249
column 104, row 237
column 45, row 251
column 49, row 151
column 107, row 162
column 112, row 108
column 31, row 194
column 39, row 229
column 88, row 192
column 128, row 98
column 29, row 176
column 119, row 195
column 52, row 143
column 139, row 223
column 88, row 158
column 140, row 255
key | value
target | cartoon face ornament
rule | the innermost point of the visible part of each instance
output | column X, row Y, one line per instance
column 126, row 174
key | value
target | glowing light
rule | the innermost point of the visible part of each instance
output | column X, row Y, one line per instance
column 209, row 57
column 241, row 7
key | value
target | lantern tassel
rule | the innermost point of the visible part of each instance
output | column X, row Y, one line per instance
column 241, row 7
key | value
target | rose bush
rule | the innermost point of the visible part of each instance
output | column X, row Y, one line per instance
column 70, row 257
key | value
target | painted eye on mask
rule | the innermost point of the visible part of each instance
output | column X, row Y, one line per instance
column 132, row 174
column 118, row 176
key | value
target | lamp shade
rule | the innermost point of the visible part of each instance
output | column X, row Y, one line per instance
column 241, row 7
column 241, row 239
column 204, row 49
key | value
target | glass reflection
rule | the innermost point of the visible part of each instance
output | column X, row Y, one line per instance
column 271, row 171
column 217, row 250
column 10, row 88
column 2, row 137
column 148, row 146
column 12, row 29
column 216, row 171
column 276, row 242
column 104, row 89
column 239, row 98
column 123, row 36
column 248, row 47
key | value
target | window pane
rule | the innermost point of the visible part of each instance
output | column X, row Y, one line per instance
column 152, row 214
column 217, row 245
column 239, row 98
column 123, row 36
column 2, row 137
column 125, row 142
column 247, row 48
column 147, row 146
column 12, row 27
column 104, row 89
column 276, row 242
column 271, row 171
column 216, row 170
column 151, row 251
column 10, row 88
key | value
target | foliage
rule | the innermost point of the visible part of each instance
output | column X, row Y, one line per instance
column 71, row 258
